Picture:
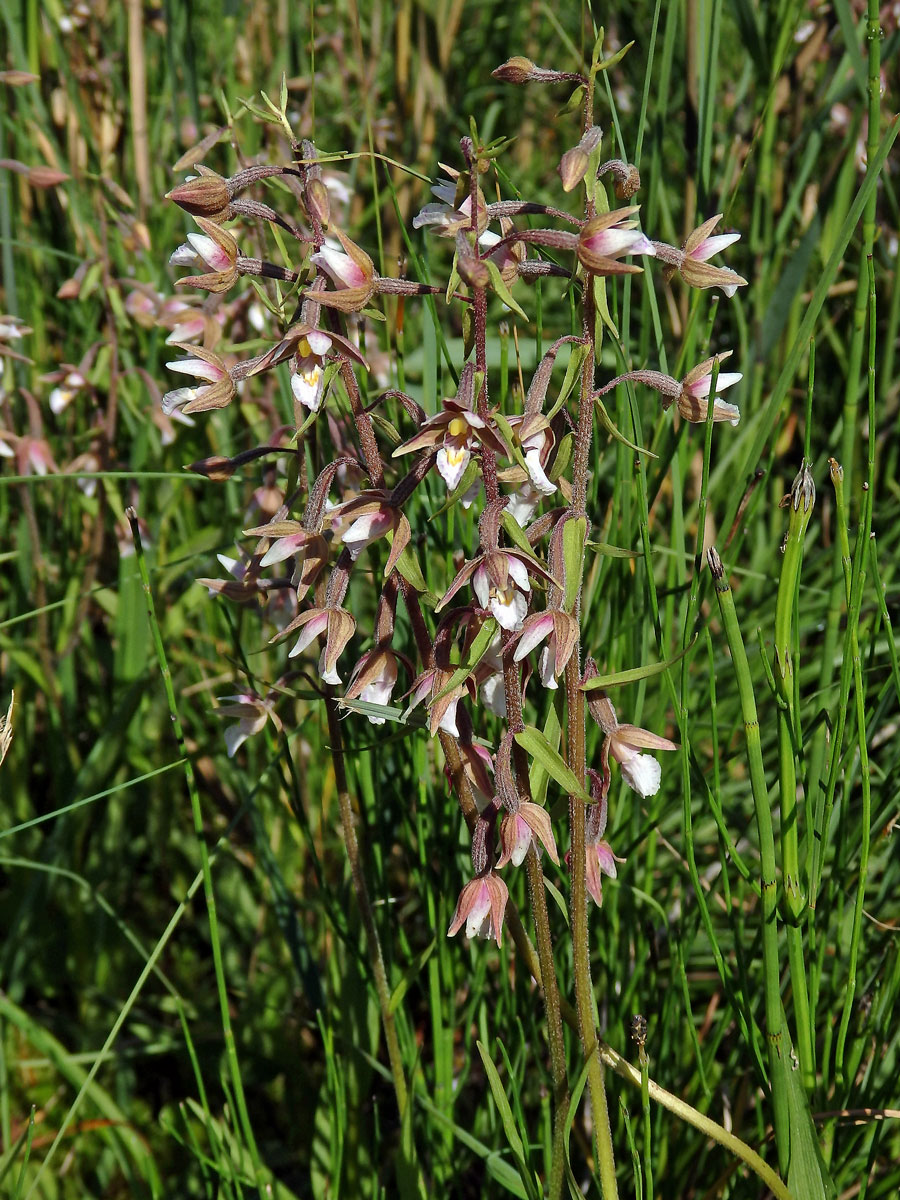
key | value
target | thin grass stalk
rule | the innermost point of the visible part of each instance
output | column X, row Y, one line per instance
column 209, row 895
column 801, row 500
column 855, row 601
column 776, row 1033
column 361, row 890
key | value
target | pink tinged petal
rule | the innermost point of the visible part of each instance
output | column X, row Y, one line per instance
column 343, row 270
column 198, row 368
column 179, row 397
column 186, row 331
column 481, row 586
column 210, row 251
column 726, row 379
column 538, row 629
column 604, row 857
column 365, row 530
column 523, row 834
column 282, row 549
column 714, row 245
column 615, row 241
column 451, row 464
column 518, row 572
column 642, row 773
column 311, row 631
column 319, row 342
column 184, row 256
column 478, row 920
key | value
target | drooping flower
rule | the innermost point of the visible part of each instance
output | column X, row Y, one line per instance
column 481, row 907
column 337, row 624
column 530, row 823
column 457, row 431
column 624, row 743
column 215, row 248
column 599, row 857
column 500, row 581
column 441, row 707
column 69, row 382
column 373, row 679
column 252, row 712
column 691, row 261
column 607, row 238
column 365, row 518
column 693, row 403
column 291, row 539
column 453, row 211
column 217, row 391
column 561, row 631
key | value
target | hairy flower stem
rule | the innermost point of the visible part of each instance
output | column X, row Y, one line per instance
column 576, row 761
column 373, row 941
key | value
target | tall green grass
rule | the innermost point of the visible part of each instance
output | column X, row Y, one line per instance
column 187, row 1005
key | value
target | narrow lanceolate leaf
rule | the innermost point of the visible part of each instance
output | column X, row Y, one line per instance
column 502, row 290
column 607, row 422
column 513, row 1136
column 477, row 651
column 635, row 673
column 535, row 744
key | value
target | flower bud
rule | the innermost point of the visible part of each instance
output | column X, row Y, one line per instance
column 515, row 70
column 317, row 202
column 203, row 196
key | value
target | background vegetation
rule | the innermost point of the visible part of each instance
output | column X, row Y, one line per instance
column 111, row 1028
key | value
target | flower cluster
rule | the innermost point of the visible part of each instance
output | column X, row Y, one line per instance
column 352, row 498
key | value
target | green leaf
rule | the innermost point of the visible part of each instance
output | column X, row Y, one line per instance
column 606, row 422
column 513, row 1137
column 574, row 533
column 618, row 677
column 515, row 451
column 411, row 973
column 613, row 551
column 408, row 566
column 501, row 289
column 516, row 534
column 460, row 490
column 563, row 458
column 477, row 651
column 573, row 374
column 535, row 744
column 538, row 777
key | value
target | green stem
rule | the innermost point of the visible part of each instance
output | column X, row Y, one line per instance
column 776, row 1032
column 854, row 603
column 801, row 502
column 348, row 824
column 234, row 1069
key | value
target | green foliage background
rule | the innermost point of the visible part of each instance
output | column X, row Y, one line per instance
column 104, row 923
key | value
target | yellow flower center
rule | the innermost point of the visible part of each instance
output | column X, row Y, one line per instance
column 457, row 427
column 455, row 455
column 303, row 348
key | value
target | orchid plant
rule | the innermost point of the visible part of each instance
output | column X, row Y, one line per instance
column 506, row 631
